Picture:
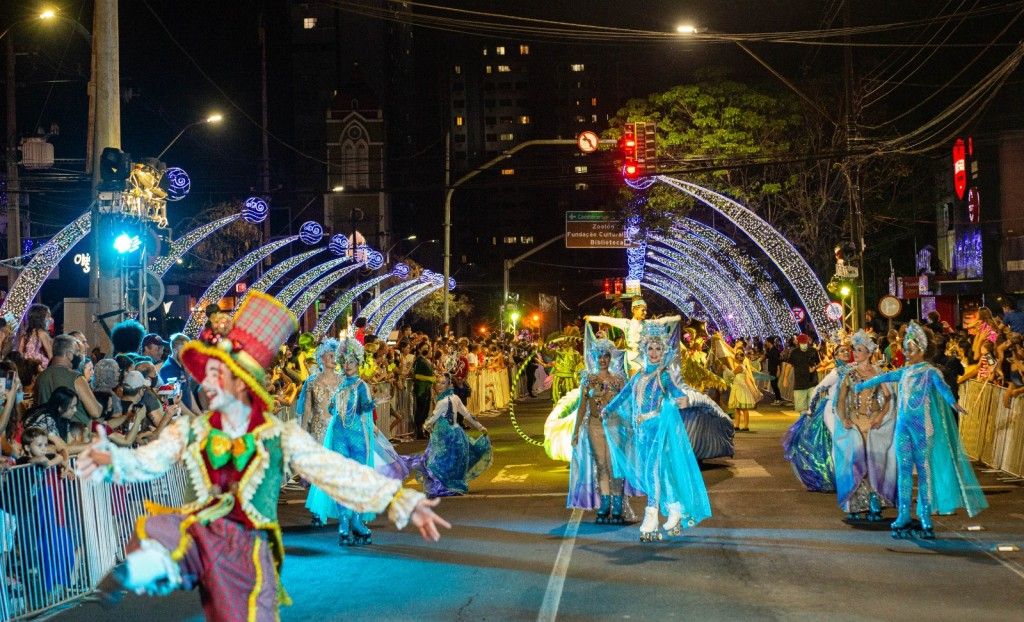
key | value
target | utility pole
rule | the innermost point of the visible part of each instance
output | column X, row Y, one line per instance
column 105, row 288
column 13, row 181
column 448, row 223
column 853, row 174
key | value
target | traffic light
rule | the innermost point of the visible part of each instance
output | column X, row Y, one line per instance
column 627, row 144
column 639, row 149
column 115, row 167
column 607, row 287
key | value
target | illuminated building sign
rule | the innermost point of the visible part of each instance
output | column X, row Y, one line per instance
column 959, row 168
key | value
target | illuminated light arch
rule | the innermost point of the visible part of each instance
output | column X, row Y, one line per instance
column 808, row 288
column 27, row 285
column 735, row 282
column 310, row 294
column 402, row 309
column 301, row 282
column 402, row 298
column 674, row 263
column 707, row 299
column 677, row 299
column 734, row 307
column 768, row 293
column 379, row 306
column 272, row 276
column 223, row 283
column 182, row 245
column 327, row 318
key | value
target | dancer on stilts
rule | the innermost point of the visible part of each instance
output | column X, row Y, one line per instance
column 633, row 328
column 862, row 442
column 591, row 482
column 228, row 541
column 926, row 440
column 649, row 445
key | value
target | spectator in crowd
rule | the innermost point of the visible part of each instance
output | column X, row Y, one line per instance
column 173, row 371
column 773, row 364
column 1012, row 317
column 157, row 415
column 360, row 332
column 55, row 417
column 127, row 337
column 6, row 334
column 423, row 376
column 106, row 376
column 935, row 323
column 948, row 360
column 805, row 361
column 60, row 374
column 97, row 354
column 36, row 449
column 154, row 347
column 8, row 408
column 893, row 351
column 35, row 343
column 876, row 323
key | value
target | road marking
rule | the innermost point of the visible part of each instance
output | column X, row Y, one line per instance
column 553, row 595
column 746, row 467
column 504, row 476
column 1016, row 569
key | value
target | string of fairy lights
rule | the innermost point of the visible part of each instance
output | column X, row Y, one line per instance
column 311, row 293
column 295, row 287
column 380, row 305
column 392, row 320
column 327, row 318
column 808, row 288
column 185, row 243
column 412, row 289
column 275, row 274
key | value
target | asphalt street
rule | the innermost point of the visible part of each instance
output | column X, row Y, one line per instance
column 772, row 551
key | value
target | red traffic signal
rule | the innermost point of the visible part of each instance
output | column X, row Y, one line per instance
column 607, row 287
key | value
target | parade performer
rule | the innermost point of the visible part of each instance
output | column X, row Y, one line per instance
column 566, row 369
column 694, row 364
column 926, row 439
column 649, row 445
column 352, row 434
column 228, row 542
column 743, row 391
column 807, row 445
column 591, row 482
column 314, row 399
column 451, row 458
column 862, row 441
column 633, row 328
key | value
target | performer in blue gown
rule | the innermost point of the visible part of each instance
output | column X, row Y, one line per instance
column 807, row 445
column 648, row 442
column 351, row 433
column 591, row 483
column 926, row 439
column 862, row 439
column 451, row 458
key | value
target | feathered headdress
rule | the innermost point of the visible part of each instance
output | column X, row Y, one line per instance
column 327, row 346
column 915, row 334
column 665, row 334
column 350, row 350
column 861, row 339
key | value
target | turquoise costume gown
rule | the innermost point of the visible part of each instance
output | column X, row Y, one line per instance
column 650, row 447
column 807, row 445
column 351, row 433
column 451, row 459
column 926, row 439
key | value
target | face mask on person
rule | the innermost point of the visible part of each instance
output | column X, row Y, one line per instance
column 49, row 323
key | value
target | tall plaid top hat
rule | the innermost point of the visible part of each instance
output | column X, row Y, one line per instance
column 259, row 328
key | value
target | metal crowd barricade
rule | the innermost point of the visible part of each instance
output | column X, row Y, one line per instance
column 993, row 433
column 59, row 535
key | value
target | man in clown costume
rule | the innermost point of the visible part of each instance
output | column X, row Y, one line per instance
column 228, row 542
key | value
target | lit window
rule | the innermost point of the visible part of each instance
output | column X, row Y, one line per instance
column 593, row 118
column 487, row 69
column 576, row 67
column 524, row 120
column 581, row 119
column 526, row 239
column 582, row 186
column 500, row 50
column 504, row 69
column 511, row 239
column 508, row 171
column 458, row 69
column 593, row 101
column 459, row 121
column 507, row 137
column 581, row 169
column 308, row 23
column 524, row 50
column 485, row 51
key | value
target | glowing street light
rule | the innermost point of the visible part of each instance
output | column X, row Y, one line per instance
column 212, row 119
column 125, row 243
column 48, row 14
column 844, row 291
column 686, row 29
column 338, row 189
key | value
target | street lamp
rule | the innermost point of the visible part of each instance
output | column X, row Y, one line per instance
column 213, row 118
column 686, row 29
column 409, row 254
column 387, row 253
